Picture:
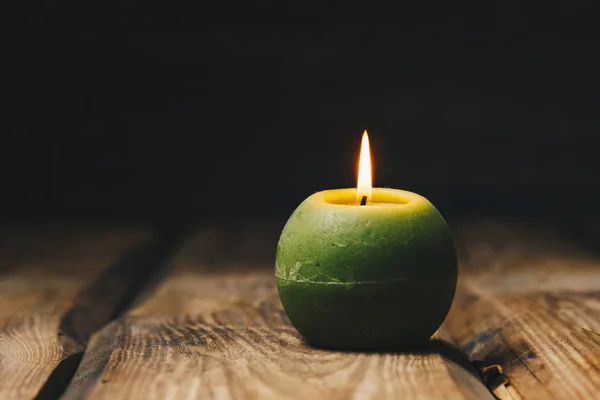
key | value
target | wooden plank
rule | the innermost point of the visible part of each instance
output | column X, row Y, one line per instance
column 529, row 301
column 214, row 328
column 57, row 286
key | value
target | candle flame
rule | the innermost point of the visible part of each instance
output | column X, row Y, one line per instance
column 363, row 187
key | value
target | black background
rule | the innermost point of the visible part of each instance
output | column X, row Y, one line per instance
column 149, row 113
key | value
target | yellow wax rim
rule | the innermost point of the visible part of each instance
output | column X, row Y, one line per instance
column 379, row 197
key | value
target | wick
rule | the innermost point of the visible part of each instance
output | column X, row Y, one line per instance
column 363, row 201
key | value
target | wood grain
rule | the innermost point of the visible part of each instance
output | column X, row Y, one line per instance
column 53, row 285
column 529, row 301
column 214, row 328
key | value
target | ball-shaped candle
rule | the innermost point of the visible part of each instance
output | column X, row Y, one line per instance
column 372, row 276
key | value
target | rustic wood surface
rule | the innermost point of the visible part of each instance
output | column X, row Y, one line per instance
column 209, row 323
column 214, row 328
column 52, row 297
column 529, row 301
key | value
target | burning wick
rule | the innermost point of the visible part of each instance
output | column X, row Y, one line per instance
column 363, row 184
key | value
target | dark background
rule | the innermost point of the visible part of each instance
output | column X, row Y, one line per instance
column 178, row 115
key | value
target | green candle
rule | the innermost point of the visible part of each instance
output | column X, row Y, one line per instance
column 377, row 275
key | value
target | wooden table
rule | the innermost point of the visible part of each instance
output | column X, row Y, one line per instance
column 113, row 312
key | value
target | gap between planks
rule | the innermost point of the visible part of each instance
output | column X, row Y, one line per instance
column 58, row 285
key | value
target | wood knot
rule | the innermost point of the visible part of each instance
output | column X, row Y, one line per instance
column 491, row 375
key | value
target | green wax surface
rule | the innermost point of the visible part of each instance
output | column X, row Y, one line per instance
column 366, row 277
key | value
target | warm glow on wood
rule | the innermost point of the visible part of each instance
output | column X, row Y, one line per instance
column 363, row 187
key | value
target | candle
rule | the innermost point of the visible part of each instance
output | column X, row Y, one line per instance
column 366, row 268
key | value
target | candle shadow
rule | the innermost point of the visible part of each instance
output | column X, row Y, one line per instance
column 433, row 346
